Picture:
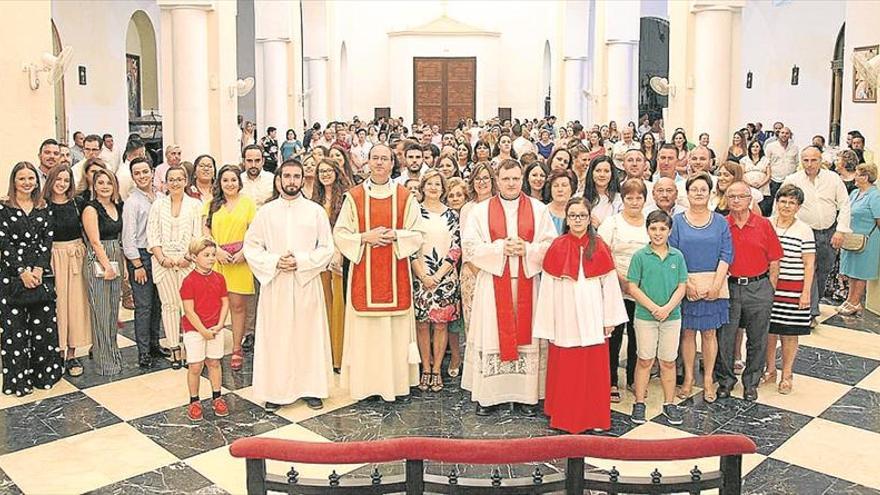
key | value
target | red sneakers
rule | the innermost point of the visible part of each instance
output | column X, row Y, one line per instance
column 220, row 408
column 194, row 411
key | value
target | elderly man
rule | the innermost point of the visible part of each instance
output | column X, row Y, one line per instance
column 665, row 196
column 173, row 155
column 752, row 279
column 783, row 157
column 826, row 210
column 76, row 151
column 620, row 148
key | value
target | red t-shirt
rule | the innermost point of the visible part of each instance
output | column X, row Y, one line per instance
column 755, row 245
column 207, row 293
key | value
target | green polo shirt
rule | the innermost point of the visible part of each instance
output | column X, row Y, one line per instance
column 657, row 278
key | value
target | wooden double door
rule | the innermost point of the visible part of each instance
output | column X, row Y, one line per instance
column 445, row 90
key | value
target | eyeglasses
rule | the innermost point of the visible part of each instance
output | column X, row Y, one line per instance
column 176, row 179
column 482, row 179
column 739, row 197
column 578, row 216
column 383, row 159
column 326, row 171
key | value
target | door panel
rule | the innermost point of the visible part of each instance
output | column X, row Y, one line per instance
column 444, row 90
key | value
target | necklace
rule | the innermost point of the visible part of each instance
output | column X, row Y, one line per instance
column 776, row 224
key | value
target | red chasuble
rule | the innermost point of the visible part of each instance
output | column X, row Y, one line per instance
column 568, row 251
column 380, row 282
column 512, row 332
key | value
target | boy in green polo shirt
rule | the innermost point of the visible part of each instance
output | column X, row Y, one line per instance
column 657, row 279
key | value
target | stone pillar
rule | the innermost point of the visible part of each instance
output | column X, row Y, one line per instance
column 318, row 111
column 189, row 57
column 574, row 69
column 712, row 71
column 622, row 79
column 275, row 85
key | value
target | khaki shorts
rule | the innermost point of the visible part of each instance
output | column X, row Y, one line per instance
column 198, row 348
column 657, row 339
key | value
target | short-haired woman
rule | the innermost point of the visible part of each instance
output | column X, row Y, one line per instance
column 790, row 314
column 560, row 187
column 861, row 266
column 29, row 336
column 482, row 187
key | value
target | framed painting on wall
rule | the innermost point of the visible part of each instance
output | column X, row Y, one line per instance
column 133, row 77
column 866, row 62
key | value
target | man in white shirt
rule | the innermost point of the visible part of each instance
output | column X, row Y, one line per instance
column 76, row 151
column 826, row 210
column 360, row 151
column 783, row 157
column 328, row 138
column 110, row 153
column 173, row 155
column 522, row 144
column 413, row 157
column 134, row 149
column 621, row 147
column 634, row 164
column 665, row 197
column 256, row 183
column 91, row 149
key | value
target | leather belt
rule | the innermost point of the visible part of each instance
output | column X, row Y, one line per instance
column 746, row 280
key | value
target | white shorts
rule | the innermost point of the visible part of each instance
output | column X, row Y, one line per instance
column 198, row 348
column 657, row 339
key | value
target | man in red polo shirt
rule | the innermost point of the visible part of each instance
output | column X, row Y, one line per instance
column 753, row 275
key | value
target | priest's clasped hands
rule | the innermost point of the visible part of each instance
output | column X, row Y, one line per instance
column 379, row 236
column 514, row 246
column 287, row 262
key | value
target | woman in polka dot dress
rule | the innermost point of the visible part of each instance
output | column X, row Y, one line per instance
column 28, row 332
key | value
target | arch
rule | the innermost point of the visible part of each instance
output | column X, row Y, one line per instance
column 653, row 62
column 545, row 78
column 142, row 70
column 344, row 83
column 836, row 89
column 60, row 108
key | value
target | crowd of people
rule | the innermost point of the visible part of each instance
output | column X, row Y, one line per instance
column 526, row 250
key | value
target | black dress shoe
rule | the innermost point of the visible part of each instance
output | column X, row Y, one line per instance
column 145, row 362
column 484, row 410
column 160, row 352
column 271, row 407
column 750, row 394
column 314, row 403
column 403, row 399
column 723, row 392
column 528, row 410
column 248, row 342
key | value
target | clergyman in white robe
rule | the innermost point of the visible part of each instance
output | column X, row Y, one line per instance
column 490, row 380
column 292, row 343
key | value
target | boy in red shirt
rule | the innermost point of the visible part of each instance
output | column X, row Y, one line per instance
column 205, row 306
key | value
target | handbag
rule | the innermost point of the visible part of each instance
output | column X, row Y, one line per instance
column 20, row 295
column 98, row 269
column 703, row 282
column 232, row 247
column 855, row 243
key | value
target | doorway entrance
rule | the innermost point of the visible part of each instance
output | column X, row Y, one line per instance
column 445, row 90
column 653, row 62
column 836, row 90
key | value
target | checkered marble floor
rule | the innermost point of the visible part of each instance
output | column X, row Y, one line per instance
column 130, row 434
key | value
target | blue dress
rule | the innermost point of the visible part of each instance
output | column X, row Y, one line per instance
column 865, row 208
column 703, row 248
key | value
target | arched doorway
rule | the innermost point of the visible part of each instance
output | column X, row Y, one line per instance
column 836, row 89
column 142, row 80
column 545, row 79
column 653, row 62
column 60, row 109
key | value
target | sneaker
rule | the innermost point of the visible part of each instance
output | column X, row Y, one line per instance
column 194, row 411
column 220, row 407
column 314, row 403
column 672, row 414
column 638, row 413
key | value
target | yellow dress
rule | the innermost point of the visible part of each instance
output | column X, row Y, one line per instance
column 334, row 299
column 228, row 227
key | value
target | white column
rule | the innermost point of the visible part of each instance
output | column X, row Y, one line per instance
column 622, row 75
column 712, row 68
column 574, row 88
column 318, row 111
column 275, row 85
column 189, row 25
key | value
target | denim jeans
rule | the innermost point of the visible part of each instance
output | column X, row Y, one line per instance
column 147, row 307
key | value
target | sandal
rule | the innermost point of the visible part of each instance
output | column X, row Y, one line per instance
column 176, row 362
column 784, row 387
column 237, row 360
column 769, row 377
column 436, row 382
column 615, row 395
column 73, row 367
column 453, row 371
column 685, row 391
column 425, row 381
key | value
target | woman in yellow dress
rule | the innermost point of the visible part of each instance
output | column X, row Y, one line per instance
column 227, row 217
column 330, row 186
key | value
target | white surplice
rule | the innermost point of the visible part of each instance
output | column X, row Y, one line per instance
column 376, row 357
column 574, row 313
column 292, row 346
column 490, row 380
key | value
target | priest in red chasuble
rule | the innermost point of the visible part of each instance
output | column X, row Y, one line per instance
column 506, row 238
column 378, row 229
column 579, row 304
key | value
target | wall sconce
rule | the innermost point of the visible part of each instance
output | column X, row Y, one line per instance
column 749, row 80
column 795, row 75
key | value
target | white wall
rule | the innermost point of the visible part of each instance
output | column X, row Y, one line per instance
column 861, row 30
column 97, row 33
column 775, row 37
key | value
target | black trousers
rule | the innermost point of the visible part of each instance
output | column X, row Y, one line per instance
column 616, row 341
column 147, row 307
column 29, row 347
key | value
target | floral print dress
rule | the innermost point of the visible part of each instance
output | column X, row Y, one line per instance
column 442, row 243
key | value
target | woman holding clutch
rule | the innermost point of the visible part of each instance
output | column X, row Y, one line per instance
column 227, row 217
column 703, row 236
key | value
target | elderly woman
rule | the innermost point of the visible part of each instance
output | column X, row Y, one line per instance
column 861, row 266
column 790, row 315
column 559, row 189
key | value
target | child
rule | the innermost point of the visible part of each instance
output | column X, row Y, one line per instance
column 657, row 281
column 205, row 306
